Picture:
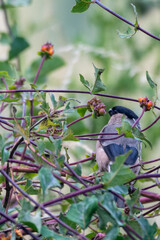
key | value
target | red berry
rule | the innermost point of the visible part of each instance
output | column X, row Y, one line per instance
column 44, row 48
column 51, row 51
column 140, row 99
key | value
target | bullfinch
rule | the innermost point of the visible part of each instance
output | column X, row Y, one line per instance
column 108, row 150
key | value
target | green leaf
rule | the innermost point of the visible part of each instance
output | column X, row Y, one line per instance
column 81, row 6
column 5, row 38
column 10, row 72
column 85, row 82
column 29, row 188
column 54, row 102
column 18, row 45
column 119, row 173
column 81, row 111
column 4, row 154
column 140, row 136
column 128, row 34
column 98, row 84
column 6, row 76
column 112, row 234
column 68, row 136
column 150, row 81
column 111, row 209
column 82, row 212
column 32, row 221
column 123, row 190
column 148, row 230
column 8, row 99
column 17, row 3
column 47, row 179
column 50, row 234
column 125, row 128
column 48, row 66
column 64, row 219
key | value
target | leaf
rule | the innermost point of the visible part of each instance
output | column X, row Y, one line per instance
column 68, row 136
column 32, row 221
column 8, row 99
column 128, row 34
column 112, row 234
column 119, row 173
column 136, row 15
column 6, row 76
column 98, row 84
column 85, row 82
column 125, row 128
column 150, row 81
column 61, row 101
column 64, row 219
column 47, row 234
column 140, row 136
column 29, row 188
column 123, row 190
column 18, row 45
column 48, row 66
column 5, row 155
column 82, row 212
column 21, row 131
column 5, row 38
column 110, row 212
column 148, row 230
column 10, row 70
column 81, row 6
column 81, row 111
column 54, row 102
column 47, row 179
column 17, row 3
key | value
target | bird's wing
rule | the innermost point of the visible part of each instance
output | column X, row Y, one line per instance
column 115, row 147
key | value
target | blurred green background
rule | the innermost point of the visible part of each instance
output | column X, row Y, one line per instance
column 91, row 37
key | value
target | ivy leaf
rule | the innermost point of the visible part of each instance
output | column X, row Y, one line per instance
column 81, row 6
column 8, row 99
column 150, row 81
column 18, row 45
column 98, row 84
column 5, row 38
column 119, row 173
column 28, row 188
column 21, row 131
column 81, row 111
column 49, row 234
column 140, row 136
column 69, row 136
column 85, row 82
column 125, row 128
column 54, row 102
column 48, row 66
column 112, row 234
column 128, row 34
column 82, row 212
column 113, row 214
column 63, row 218
column 47, row 179
column 148, row 230
column 32, row 221
column 4, row 154
column 136, row 15
column 17, row 3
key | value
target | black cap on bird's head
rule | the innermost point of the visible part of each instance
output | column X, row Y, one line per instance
column 123, row 110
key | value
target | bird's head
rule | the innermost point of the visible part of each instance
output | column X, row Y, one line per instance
column 123, row 110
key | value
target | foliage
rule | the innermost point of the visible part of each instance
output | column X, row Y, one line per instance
column 38, row 169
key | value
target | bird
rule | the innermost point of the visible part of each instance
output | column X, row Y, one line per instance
column 108, row 150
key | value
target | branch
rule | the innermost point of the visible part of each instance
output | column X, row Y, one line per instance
column 125, row 20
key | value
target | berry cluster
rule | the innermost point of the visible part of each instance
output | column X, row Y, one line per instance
column 144, row 102
column 47, row 50
column 96, row 106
